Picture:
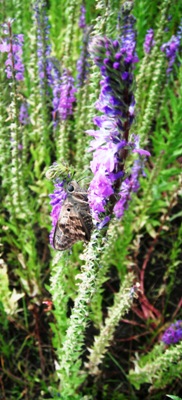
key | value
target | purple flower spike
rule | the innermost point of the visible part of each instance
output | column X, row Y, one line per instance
column 171, row 49
column 56, row 83
column 13, row 47
column 173, row 334
column 23, row 114
column 149, row 41
column 83, row 64
column 82, row 22
column 110, row 189
column 43, row 44
column 67, row 96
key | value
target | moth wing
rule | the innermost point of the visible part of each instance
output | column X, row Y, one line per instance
column 69, row 228
column 86, row 219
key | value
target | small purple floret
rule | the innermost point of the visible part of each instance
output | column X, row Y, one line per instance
column 173, row 334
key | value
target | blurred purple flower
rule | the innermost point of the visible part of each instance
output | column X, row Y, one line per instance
column 83, row 64
column 62, row 86
column 12, row 45
column 43, row 44
column 4, row 47
column 15, row 145
column 149, row 41
column 82, row 22
column 49, row 71
column 57, row 199
column 56, row 83
column 170, row 49
column 23, row 114
column 111, row 145
column 173, row 334
column 104, row 222
column 67, row 97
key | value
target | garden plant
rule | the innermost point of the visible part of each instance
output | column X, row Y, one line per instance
column 90, row 174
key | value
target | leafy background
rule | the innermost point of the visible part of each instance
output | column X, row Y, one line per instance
column 54, row 308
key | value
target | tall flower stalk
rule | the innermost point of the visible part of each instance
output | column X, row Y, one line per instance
column 152, row 76
column 43, row 45
column 110, row 189
column 122, row 303
column 170, row 49
column 45, row 72
column 149, row 41
column 83, row 64
column 67, row 96
column 14, row 69
column 83, row 91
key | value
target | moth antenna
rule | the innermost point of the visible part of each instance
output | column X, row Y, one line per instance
column 83, row 177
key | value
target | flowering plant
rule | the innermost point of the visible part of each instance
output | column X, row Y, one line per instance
column 111, row 187
column 66, row 65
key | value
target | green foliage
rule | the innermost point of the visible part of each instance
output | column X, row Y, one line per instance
column 63, row 316
column 122, row 303
column 159, row 367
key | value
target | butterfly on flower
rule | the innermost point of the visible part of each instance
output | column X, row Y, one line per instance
column 74, row 221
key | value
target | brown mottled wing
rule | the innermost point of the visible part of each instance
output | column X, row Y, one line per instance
column 73, row 224
column 86, row 219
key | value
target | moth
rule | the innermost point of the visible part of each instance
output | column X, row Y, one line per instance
column 74, row 221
